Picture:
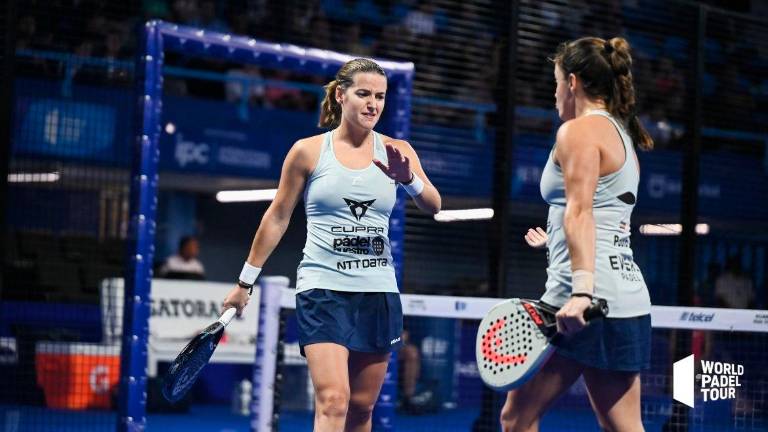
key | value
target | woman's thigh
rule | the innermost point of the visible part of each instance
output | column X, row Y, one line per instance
column 366, row 375
column 526, row 404
column 615, row 397
column 328, row 367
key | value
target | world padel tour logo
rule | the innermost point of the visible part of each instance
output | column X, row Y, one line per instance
column 719, row 380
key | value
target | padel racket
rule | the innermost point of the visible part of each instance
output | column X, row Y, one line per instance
column 188, row 364
column 514, row 340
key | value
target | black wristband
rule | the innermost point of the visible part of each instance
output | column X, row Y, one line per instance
column 244, row 285
column 589, row 296
column 413, row 176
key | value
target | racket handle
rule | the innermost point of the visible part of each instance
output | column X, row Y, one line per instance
column 227, row 316
column 599, row 309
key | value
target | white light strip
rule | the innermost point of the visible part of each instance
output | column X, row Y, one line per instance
column 23, row 177
column 671, row 229
column 246, row 195
column 464, row 215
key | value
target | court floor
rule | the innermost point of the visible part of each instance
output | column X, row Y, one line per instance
column 218, row 418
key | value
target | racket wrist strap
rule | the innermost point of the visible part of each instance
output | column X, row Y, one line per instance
column 583, row 283
column 415, row 186
column 248, row 277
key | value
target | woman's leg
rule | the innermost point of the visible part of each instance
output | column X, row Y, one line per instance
column 328, row 367
column 525, row 405
column 366, row 375
column 615, row 397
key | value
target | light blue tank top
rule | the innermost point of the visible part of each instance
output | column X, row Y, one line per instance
column 617, row 278
column 348, row 211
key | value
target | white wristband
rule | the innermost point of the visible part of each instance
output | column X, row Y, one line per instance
column 249, row 273
column 583, row 282
column 415, row 187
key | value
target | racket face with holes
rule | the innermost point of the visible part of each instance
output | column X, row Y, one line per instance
column 183, row 372
column 510, row 346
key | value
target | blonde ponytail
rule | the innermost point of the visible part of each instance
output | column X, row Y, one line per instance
column 330, row 110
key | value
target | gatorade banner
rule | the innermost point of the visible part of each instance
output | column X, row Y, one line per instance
column 180, row 309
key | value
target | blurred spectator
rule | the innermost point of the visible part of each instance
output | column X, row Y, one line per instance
column 29, row 38
column 186, row 11
column 26, row 29
column 282, row 97
column 113, row 52
column 734, row 93
column 240, row 85
column 658, row 126
column 321, row 31
column 184, row 263
column 421, row 21
column 669, row 86
column 409, row 359
column 706, row 287
column 356, row 45
column 155, row 9
column 86, row 73
column 208, row 19
column 733, row 288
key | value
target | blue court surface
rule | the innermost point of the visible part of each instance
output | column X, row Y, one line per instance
column 218, row 418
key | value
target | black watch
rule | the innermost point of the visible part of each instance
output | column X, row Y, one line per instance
column 413, row 177
column 244, row 285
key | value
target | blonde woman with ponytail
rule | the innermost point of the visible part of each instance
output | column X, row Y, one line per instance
column 590, row 182
column 347, row 301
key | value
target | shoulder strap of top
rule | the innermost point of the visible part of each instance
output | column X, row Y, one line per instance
column 325, row 153
column 379, row 150
column 626, row 140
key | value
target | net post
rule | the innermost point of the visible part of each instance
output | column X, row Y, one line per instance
column 132, row 397
column 265, row 364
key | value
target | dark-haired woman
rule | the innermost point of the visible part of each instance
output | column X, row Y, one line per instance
column 347, row 302
column 590, row 183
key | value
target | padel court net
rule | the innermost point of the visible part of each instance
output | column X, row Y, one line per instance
column 728, row 375
column 434, row 383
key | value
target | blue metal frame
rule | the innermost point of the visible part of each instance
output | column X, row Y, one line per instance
column 157, row 37
column 138, row 274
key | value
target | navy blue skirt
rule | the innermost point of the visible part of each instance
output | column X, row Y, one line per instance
column 619, row 344
column 364, row 322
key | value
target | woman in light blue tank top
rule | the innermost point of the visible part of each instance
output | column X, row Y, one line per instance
column 590, row 183
column 347, row 303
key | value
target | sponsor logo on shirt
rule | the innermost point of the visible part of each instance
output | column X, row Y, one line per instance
column 358, row 208
column 359, row 245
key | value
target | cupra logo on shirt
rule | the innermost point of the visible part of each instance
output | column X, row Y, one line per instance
column 361, row 206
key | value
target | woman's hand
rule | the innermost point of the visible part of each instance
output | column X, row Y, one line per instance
column 237, row 298
column 399, row 168
column 570, row 317
column 536, row 238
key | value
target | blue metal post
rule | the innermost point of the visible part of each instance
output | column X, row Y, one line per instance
column 133, row 365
